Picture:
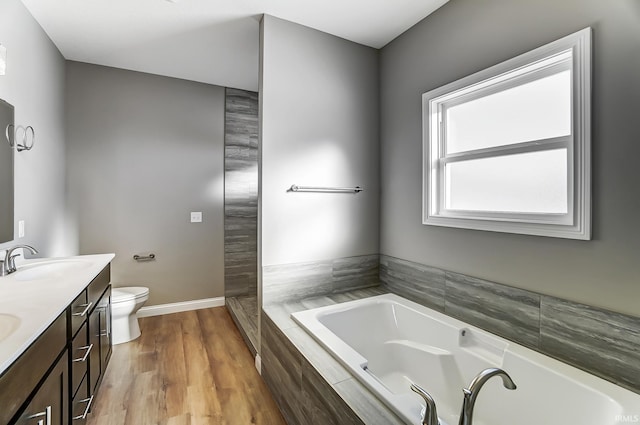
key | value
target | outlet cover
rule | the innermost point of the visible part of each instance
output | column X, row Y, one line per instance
column 196, row 217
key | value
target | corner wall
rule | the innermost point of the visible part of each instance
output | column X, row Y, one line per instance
column 464, row 37
column 319, row 127
column 34, row 85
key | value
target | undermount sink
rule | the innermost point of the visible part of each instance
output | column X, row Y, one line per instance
column 49, row 269
column 8, row 324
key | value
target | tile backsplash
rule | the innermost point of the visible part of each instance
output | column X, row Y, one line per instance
column 604, row 343
column 281, row 283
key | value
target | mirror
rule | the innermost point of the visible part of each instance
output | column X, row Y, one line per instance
column 6, row 172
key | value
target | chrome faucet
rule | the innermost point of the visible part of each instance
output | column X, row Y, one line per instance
column 8, row 265
column 430, row 416
column 471, row 393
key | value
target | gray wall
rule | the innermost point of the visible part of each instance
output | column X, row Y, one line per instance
column 143, row 152
column 34, row 85
column 319, row 127
column 463, row 37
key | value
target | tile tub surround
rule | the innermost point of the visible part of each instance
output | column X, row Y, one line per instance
column 281, row 283
column 241, row 193
column 601, row 342
column 606, row 343
column 506, row 311
column 308, row 383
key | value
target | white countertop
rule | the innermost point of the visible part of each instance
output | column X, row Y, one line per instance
column 38, row 302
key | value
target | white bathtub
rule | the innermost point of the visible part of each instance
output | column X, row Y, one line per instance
column 387, row 342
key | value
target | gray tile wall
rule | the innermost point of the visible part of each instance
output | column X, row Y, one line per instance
column 282, row 371
column 604, row 343
column 240, row 193
column 596, row 340
column 287, row 282
column 302, row 394
column 510, row 312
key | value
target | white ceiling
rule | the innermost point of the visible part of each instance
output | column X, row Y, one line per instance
column 211, row 41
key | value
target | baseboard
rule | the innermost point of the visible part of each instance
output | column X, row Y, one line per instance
column 160, row 309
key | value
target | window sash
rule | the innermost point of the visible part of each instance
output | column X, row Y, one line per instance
column 527, row 147
column 540, row 69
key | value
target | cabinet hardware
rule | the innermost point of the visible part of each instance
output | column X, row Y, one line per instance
column 86, row 354
column 47, row 416
column 83, row 312
column 86, row 410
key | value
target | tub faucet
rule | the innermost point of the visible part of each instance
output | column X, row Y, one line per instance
column 8, row 265
column 430, row 416
column 471, row 393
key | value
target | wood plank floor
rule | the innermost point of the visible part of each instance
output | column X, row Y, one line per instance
column 187, row 368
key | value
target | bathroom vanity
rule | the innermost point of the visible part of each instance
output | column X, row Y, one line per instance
column 55, row 339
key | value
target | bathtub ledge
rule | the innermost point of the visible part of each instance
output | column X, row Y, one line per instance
column 328, row 392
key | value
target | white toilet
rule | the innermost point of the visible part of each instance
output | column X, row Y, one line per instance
column 125, row 303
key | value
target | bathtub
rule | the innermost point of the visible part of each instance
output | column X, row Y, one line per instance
column 388, row 342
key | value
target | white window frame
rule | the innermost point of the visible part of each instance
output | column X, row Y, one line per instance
column 545, row 60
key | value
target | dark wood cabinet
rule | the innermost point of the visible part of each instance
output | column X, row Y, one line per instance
column 80, row 352
column 81, row 403
column 50, row 404
column 94, row 361
column 94, row 344
column 19, row 381
column 100, row 335
column 55, row 380
column 106, row 343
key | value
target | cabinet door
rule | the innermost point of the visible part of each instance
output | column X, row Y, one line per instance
column 100, row 337
column 105, row 329
column 94, row 359
column 50, row 404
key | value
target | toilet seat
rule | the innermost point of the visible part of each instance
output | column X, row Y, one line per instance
column 128, row 293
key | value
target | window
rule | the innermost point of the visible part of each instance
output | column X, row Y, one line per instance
column 508, row 149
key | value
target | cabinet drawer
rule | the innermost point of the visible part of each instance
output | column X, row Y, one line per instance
column 80, row 352
column 79, row 312
column 98, row 285
column 23, row 375
column 81, row 404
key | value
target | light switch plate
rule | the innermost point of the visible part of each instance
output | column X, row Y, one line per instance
column 21, row 229
column 196, row 217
